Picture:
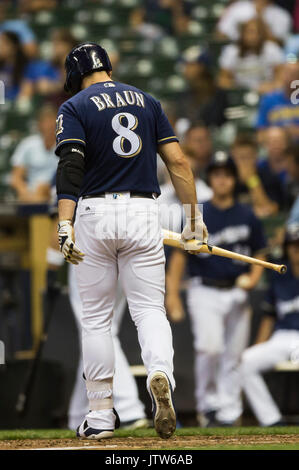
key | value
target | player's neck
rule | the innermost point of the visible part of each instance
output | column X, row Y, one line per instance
column 96, row 77
column 223, row 202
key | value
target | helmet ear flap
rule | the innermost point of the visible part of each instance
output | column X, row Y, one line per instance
column 73, row 83
column 73, row 79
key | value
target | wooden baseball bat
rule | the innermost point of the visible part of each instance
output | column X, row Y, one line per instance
column 174, row 239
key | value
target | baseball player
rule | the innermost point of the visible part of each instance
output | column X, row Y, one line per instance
column 281, row 308
column 108, row 134
column 217, row 296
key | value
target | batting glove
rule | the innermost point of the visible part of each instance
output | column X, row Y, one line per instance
column 70, row 251
column 195, row 228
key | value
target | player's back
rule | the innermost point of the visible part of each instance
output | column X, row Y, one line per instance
column 120, row 127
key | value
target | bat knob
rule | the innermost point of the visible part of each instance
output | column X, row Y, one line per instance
column 283, row 269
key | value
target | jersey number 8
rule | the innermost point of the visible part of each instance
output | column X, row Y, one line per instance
column 126, row 133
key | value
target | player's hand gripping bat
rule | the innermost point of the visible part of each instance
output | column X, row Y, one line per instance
column 196, row 246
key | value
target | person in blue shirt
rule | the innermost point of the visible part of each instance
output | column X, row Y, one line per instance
column 278, row 337
column 217, row 296
column 281, row 107
column 108, row 135
column 13, row 64
column 19, row 26
column 22, row 77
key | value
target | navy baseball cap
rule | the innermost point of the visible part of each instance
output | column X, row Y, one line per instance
column 196, row 54
column 222, row 160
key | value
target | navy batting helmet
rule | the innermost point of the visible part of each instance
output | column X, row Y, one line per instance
column 83, row 59
column 222, row 160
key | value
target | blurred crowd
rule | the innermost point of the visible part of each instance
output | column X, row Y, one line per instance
column 252, row 50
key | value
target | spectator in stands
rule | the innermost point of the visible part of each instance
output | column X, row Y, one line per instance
column 203, row 100
column 277, row 19
column 281, row 107
column 24, row 78
column 157, row 17
column 259, row 187
column 62, row 41
column 253, row 62
column 20, row 28
column 292, row 44
column 34, row 161
column 281, row 315
column 33, row 6
column 276, row 143
column 292, row 176
column 47, row 78
column 13, row 64
column 198, row 143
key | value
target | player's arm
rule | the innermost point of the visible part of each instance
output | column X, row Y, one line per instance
column 183, row 181
column 71, row 142
column 174, row 275
column 70, row 173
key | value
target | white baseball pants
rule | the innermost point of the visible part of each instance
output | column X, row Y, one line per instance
column 120, row 238
column 220, row 326
column 125, row 392
column 261, row 358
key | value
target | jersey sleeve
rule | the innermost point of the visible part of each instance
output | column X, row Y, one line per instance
column 257, row 237
column 164, row 130
column 69, row 128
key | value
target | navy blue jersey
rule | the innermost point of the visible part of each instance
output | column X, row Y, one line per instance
column 235, row 229
column 120, row 127
column 282, row 300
